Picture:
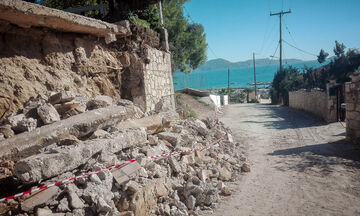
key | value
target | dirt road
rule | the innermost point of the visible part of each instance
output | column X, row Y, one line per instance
column 299, row 166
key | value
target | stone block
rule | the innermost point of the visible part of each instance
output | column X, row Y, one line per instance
column 172, row 138
column 41, row 198
column 7, row 131
column 65, row 158
column 48, row 114
column 61, row 97
column 79, row 125
column 125, row 173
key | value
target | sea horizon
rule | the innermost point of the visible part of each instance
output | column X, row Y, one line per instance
column 239, row 77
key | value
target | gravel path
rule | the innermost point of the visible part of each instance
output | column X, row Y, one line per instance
column 299, row 165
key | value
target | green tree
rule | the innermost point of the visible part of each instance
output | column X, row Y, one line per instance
column 187, row 41
column 285, row 80
column 339, row 49
column 322, row 56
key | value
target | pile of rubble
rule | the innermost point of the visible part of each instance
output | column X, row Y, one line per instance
column 183, row 184
column 47, row 109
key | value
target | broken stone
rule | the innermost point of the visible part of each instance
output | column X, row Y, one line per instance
column 229, row 137
column 245, row 168
column 172, row 138
column 63, row 206
column 132, row 186
column 204, row 174
column 124, row 102
column 200, row 127
column 209, row 196
column 124, row 174
column 225, row 191
column 99, row 102
column 99, row 134
column 48, row 113
column 14, row 120
column 43, row 212
column 102, row 206
column 178, row 212
column 66, row 158
column 153, row 140
column 28, row 124
column 75, row 201
column 61, row 97
column 79, row 126
column 7, row 131
column 68, row 140
column 174, row 164
column 95, row 178
column 224, row 174
column 41, row 198
column 30, row 107
column 63, row 108
column 190, row 202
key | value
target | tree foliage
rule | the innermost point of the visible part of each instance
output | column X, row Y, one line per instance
column 187, row 41
column 339, row 69
column 285, row 80
column 339, row 49
column 322, row 56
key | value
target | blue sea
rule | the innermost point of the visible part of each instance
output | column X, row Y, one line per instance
column 239, row 77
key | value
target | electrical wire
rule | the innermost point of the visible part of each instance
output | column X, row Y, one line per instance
column 301, row 50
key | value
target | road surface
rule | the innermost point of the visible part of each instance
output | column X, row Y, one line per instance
column 299, row 165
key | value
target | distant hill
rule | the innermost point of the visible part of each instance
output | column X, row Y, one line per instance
column 221, row 64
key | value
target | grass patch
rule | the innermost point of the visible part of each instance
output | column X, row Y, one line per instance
column 191, row 112
column 196, row 97
column 134, row 19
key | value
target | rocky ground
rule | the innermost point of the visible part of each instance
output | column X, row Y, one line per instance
column 186, row 184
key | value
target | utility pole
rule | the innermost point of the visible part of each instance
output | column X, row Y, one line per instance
column 254, row 76
column 161, row 14
column 229, row 81
column 280, row 14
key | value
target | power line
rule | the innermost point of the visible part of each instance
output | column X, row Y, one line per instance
column 301, row 50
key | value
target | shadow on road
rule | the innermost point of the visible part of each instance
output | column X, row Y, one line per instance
column 289, row 118
column 322, row 156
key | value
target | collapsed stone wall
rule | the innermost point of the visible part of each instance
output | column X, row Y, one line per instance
column 315, row 101
column 35, row 61
column 352, row 92
column 38, row 60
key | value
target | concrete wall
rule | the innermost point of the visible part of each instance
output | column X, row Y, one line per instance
column 159, row 89
column 315, row 101
column 352, row 95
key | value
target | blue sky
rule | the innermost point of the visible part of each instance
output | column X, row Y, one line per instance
column 237, row 28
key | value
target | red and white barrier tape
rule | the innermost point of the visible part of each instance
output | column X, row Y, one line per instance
column 98, row 171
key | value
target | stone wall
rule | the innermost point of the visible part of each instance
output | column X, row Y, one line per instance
column 159, row 88
column 39, row 57
column 352, row 95
column 315, row 101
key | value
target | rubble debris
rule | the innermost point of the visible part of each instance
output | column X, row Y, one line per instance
column 245, row 168
column 183, row 184
column 48, row 114
column 7, row 131
column 78, row 125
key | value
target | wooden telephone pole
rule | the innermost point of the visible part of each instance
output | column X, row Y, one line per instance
column 280, row 14
column 229, row 81
column 254, row 76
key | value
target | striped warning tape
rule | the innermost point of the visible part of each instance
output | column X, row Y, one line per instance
column 85, row 175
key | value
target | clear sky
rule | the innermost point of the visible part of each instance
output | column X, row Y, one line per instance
column 237, row 28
